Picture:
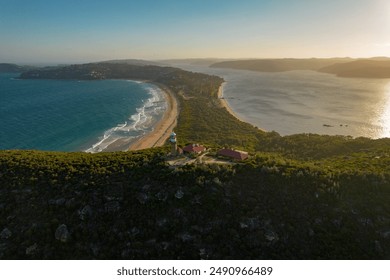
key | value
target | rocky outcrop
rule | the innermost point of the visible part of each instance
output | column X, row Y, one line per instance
column 62, row 233
column 5, row 233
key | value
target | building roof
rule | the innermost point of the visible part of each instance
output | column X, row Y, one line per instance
column 240, row 155
column 194, row 148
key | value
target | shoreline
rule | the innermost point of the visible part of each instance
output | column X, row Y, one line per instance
column 225, row 104
column 163, row 127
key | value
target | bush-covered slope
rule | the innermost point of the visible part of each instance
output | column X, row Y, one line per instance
column 132, row 205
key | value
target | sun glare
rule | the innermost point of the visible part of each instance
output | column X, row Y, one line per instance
column 385, row 117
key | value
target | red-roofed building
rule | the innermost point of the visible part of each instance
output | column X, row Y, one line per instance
column 237, row 155
column 194, row 148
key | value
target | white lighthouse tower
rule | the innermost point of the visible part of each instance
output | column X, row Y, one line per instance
column 173, row 141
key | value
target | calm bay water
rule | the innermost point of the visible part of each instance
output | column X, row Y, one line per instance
column 75, row 115
column 307, row 101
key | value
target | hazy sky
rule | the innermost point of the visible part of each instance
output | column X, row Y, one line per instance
column 90, row 30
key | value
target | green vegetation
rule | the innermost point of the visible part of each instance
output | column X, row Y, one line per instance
column 132, row 205
column 303, row 196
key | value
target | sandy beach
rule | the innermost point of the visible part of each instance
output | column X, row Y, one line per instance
column 163, row 128
column 226, row 105
column 223, row 101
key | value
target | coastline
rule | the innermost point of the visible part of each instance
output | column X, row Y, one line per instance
column 225, row 104
column 163, row 128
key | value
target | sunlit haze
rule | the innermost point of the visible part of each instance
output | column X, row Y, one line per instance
column 45, row 31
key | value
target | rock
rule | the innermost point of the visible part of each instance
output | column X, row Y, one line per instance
column 85, row 213
column 164, row 245
column 271, row 236
column 62, row 233
column 60, row 201
column 179, row 194
column 150, row 242
column 203, row 253
column 162, row 222
column 243, row 225
column 142, row 197
column 57, row 202
column 185, row 237
column 134, row 231
column 5, row 233
column 32, row 249
column 162, row 196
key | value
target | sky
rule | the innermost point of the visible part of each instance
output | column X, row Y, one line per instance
column 71, row 31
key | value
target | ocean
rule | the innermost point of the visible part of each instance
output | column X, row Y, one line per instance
column 92, row 116
column 306, row 101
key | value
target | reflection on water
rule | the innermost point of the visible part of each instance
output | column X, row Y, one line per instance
column 307, row 101
column 385, row 112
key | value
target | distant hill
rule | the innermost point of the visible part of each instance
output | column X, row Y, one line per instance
column 99, row 71
column 360, row 68
column 377, row 67
column 13, row 68
column 193, row 61
column 134, row 62
column 279, row 65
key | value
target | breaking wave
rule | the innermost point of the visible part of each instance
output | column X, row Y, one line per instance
column 123, row 134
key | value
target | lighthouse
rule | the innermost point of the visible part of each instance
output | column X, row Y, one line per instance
column 173, row 141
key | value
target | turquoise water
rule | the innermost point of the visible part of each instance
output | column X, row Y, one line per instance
column 62, row 115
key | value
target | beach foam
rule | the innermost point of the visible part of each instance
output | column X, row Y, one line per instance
column 137, row 125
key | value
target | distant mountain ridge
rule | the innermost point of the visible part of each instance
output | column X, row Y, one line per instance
column 360, row 69
column 140, row 62
column 378, row 67
column 13, row 68
column 280, row 65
